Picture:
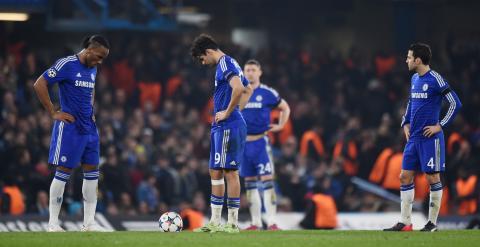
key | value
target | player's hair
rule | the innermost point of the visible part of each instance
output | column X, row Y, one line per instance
column 422, row 51
column 201, row 44
column 95, row 40
column 253, row 62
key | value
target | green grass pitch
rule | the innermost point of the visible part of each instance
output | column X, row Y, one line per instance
column 462, row 238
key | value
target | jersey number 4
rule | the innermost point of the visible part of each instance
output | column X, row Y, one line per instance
column 430, row 163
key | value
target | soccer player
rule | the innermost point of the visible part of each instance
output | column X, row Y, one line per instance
column 74, row 137
column 228, row 132
column 257, row 161
column 425, row 148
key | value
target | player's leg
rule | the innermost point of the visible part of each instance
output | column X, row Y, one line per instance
column 64, row 155
column 89, row 192
column 407, row 195
column 249, row 172
column 57, row 187
column 407, row 188
column 233, row 201
column 433, row 163
column 270, row 201
column 217, row 196
column 232, row 158
column 269, row 195
column 218, row 184
column 255, row 203
column 436, row 192
column 90, row 161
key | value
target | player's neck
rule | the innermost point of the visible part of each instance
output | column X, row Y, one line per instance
column 81, row 57
column 255, row 85
column 217, row 55
column 423, row 69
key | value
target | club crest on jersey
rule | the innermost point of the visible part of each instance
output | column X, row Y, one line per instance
column 52, row 73
column 259, row 98
column 425, row 87
column 63, row 159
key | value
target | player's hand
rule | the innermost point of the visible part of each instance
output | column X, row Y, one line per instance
column 275, row 128
column 406, row 129
column 220, row 116
column 63, row 116
column 431, row 130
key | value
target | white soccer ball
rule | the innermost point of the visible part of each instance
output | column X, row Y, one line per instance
column 170, row 222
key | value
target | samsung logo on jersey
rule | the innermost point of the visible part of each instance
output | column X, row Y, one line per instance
column 420, row 95
column 84, row 84
column 253, row 105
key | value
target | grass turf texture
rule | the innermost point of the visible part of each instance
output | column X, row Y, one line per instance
column 280, row 238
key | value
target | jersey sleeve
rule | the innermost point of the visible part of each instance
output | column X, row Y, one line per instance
column 406, row 116
column 273, row 99
column 442, row 87
column 229, row 68
column 58, row 72
column 453, row 109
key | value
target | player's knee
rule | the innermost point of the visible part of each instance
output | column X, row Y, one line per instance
column 433, row 177
column 87, row 168
column 216, row 174
column 64, row 169
column 406, row 178
column 231, row 174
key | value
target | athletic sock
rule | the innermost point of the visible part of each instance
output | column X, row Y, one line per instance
column 407, row 193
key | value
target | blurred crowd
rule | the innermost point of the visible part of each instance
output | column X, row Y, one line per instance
column 153, row 110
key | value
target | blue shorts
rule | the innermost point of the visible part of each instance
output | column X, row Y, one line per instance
column 68, row 147
column 426, row 155
column 257, row 159
column 226, row 148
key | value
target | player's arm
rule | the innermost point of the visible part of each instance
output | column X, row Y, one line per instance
column 237, row 90
column 451, row 97
column 247, row 93
column 41, row 89
column 283, row 117
column 406, row 121
column 93, row 108
column 455, row 105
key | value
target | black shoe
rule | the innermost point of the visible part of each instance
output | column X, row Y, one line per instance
column 429, row 227
column 399, row 227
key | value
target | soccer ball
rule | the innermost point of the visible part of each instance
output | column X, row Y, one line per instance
column 170, row 222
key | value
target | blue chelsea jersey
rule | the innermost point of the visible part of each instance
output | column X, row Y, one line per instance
column 257, row 110
column 76, row 84
column 423, row 109
column 227, row 67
